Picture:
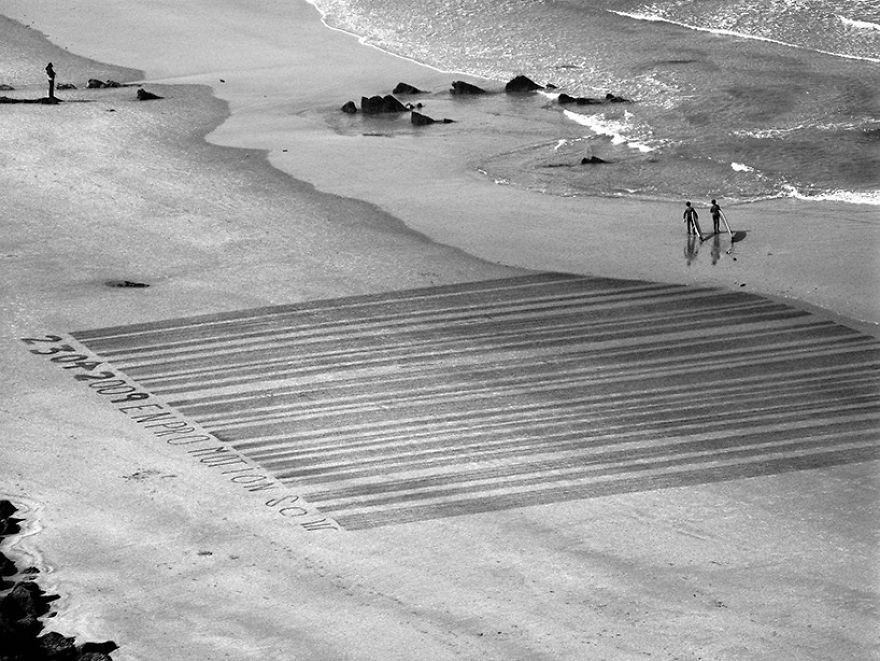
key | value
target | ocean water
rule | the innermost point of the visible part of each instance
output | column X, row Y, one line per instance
column 735, row 99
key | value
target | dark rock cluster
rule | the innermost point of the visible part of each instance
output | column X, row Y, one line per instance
column 376, row 105
column 389, row 104
column 46, row 100
column 94, row 83
column 22, row 605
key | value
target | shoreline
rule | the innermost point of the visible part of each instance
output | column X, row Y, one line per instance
column 295, row 118
column 115, row 189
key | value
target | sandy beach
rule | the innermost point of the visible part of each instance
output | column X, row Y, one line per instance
column 244, row 187
column 286, row 78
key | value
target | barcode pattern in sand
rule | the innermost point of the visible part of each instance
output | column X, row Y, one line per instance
column 460, row 399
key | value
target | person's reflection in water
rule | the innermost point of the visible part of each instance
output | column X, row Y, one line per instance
column 691, row 248
column 716, row 248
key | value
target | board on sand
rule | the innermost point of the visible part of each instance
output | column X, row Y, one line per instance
column 735, row 236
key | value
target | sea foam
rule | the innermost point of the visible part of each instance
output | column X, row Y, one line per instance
column 601, row 125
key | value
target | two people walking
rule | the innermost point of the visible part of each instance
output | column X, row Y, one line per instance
column 692, row 219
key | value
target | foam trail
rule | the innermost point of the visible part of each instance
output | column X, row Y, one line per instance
column 860, row 25
column 850, row 197
column 655, row 18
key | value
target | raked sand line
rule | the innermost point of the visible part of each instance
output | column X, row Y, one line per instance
column 446, row 401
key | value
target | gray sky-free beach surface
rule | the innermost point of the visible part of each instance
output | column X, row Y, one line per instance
column 157, row 550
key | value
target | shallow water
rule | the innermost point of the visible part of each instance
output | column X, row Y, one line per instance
column 731, row 100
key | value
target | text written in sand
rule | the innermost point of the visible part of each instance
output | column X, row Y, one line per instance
column 163, row 422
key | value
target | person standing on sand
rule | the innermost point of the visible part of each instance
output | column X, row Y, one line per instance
column 715, row 210
column 692, row 220
column 50, row 72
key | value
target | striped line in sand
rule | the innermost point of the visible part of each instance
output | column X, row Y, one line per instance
column 436, row 402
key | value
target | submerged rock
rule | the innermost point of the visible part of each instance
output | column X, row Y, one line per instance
column 349, row 108
column 565, row 99
column 592, row 160
column 611, row 98
column 418, row 119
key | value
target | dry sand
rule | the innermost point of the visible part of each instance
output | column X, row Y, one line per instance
column 150, row 550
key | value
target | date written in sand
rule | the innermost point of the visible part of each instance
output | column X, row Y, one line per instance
column 164, row 423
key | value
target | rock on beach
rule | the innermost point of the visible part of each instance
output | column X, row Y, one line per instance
column 376, row 105
column 522, row 85
column 22, row 605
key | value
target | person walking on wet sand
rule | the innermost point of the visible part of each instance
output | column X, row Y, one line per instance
column 715, row 210
column 50, row 72
column 692, row 220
